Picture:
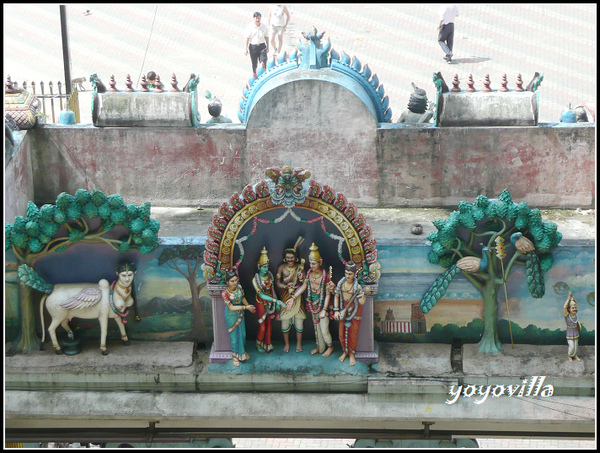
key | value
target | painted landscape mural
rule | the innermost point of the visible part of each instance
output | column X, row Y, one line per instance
column 174, row 305
column 408, row 275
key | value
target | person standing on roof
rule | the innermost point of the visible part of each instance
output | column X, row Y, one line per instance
column 257, row 42
column 447, row 15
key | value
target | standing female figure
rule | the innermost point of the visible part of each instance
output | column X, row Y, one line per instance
column 235, row 306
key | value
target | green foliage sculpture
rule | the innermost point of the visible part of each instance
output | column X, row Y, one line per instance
column 86, row 217
column 472, row 241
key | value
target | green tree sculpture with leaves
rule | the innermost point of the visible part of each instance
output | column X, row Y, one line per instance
column 472, row 241
column 81, row 218
column 190, row 257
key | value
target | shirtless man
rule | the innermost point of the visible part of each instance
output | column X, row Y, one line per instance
column 290, row 275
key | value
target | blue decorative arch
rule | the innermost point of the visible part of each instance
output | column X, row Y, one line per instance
column 373, row 92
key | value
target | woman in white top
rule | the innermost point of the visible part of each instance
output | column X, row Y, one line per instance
column 279, row 16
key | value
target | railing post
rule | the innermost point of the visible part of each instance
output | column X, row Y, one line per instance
column 60, row 95
column 42, row 96
column 52, row 101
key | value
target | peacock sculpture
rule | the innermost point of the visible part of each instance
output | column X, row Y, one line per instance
column 468, row 264
column 535, row 278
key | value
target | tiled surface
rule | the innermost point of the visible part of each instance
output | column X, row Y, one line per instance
column 397, row 41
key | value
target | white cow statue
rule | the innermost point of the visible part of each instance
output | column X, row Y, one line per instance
column 90, row 301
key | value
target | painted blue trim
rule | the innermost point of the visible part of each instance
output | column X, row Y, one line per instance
column 375, row 98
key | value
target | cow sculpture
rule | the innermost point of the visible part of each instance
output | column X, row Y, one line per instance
column 101, row 301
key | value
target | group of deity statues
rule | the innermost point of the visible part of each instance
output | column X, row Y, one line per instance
column 289, row 297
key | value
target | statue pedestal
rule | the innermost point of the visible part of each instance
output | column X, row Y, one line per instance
column 367, row 350
column 220, row 352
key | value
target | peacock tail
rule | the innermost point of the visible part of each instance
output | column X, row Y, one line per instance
column 438, row 289
column 535, row 277
column 31, row 278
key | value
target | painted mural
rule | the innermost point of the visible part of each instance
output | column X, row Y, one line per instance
column 407, row 275
column 174, row 303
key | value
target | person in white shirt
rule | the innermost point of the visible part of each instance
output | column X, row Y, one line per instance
column 446, row 29
column 257, row 43
column 279, row 16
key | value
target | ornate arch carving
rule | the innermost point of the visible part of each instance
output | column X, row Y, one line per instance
column 288, row 188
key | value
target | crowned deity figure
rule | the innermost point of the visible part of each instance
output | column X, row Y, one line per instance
column 347, row 305
column 267, row 304
column 318, row 287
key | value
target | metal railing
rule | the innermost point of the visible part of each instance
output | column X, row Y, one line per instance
column 52, row 103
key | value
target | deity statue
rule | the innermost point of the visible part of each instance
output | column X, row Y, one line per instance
column 235, row 306
column 319, row 285
column 267, row 304
column 417, row 108
column 290, row 275
column 347, row 305
column 101, row 300
column 573, row 326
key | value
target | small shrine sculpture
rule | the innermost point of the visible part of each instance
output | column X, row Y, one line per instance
column 417, row 108
column 289, row 197
column 487, row 106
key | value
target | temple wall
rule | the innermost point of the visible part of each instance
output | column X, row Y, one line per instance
column 18, row 179
column 389, row 166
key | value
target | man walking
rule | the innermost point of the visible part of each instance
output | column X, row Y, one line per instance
column 257, row 43
column 446, row 29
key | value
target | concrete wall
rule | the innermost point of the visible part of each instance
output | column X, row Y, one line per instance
column 18, row 178
column 543, row 166
column 392, row 165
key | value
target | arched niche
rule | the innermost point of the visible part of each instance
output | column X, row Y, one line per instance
column 263, row 216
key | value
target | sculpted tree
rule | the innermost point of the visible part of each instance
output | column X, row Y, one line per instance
column 474, row 240
column 83, row 218
column 186, row 259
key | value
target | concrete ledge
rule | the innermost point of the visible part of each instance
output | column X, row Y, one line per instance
column 173, row 385
column 529, row 360
column 488, row 109
column 145, row 109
